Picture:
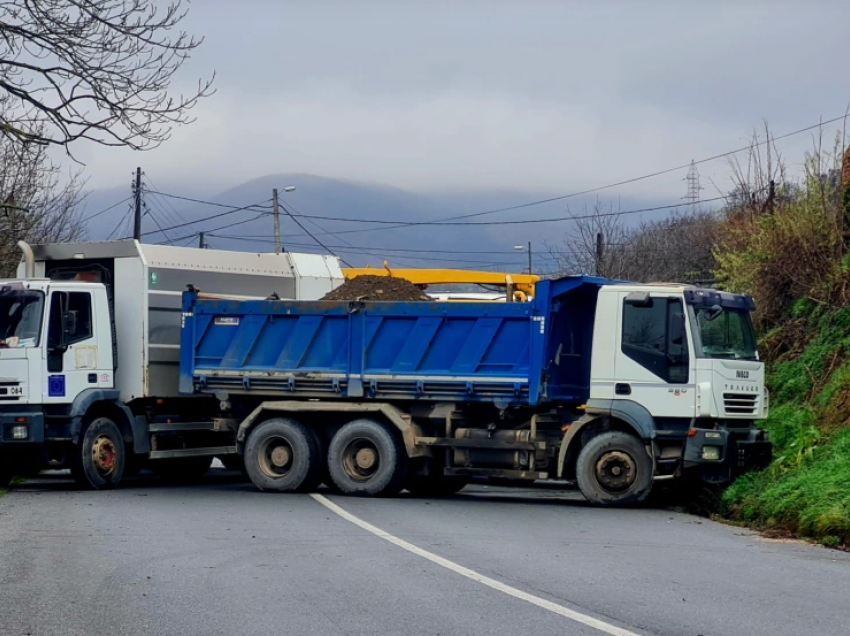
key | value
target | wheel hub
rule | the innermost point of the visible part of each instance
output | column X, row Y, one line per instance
column 616, row 471
column 361, row 459
column 281, row 456
column 366, row 458
column 103, row 455
column 276, row 457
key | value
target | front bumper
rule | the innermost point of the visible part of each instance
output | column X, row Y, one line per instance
column 34, row 421
column 739, row 452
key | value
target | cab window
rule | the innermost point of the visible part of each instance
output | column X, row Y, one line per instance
column 654, row 337
column 76, row 309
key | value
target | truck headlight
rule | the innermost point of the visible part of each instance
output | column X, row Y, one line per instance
column 20, row 432
column 713, row 435
column 711, row 453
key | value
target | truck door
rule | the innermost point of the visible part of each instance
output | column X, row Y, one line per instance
column 653, row 361
column 71, row 352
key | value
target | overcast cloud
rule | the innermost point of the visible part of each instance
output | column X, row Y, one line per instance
column 551, row 96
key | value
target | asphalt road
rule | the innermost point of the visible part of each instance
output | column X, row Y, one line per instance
column 220, row 559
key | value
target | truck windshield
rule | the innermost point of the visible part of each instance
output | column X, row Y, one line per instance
column 725, row 333
column 20, row 316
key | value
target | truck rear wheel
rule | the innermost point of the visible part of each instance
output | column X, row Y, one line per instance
column 181, row 470
column 283, row 455
column 97, row 461
column 367, row 459
column 614, row 469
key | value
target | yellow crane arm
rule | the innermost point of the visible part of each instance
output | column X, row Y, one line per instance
column 521, row 282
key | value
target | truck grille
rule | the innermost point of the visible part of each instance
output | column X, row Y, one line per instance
column 740, row 403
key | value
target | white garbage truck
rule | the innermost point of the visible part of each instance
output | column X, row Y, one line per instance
column 90, row 350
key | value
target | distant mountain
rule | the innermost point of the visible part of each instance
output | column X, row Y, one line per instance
column 358, row 243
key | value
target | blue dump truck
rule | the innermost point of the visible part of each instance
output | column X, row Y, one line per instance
column 615, row 386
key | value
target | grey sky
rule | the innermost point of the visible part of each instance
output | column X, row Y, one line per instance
column 545, row 96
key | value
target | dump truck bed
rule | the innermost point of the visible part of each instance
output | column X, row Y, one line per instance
column 471, row 351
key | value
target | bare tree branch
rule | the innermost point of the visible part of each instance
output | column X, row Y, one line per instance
column 93, row 69
column 37, row 204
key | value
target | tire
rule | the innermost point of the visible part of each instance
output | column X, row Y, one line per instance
column 435, row 485
column 98, row 460
column 182, row 470
column 283, row 455
column 367, row 459
column 614, row 469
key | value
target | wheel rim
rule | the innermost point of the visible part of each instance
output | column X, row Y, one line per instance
column 276, row 457
column 103, row 455
column 616, row 471
column 361, row 459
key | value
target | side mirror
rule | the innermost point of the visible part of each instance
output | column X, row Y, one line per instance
column 713, row 312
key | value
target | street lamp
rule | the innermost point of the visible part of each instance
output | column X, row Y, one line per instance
column 520, row 248
column 276, row 213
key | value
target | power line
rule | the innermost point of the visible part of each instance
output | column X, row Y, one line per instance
column 121, row 221
column 223, row 227
column 310, row 234
column 258, row 206
column 263, row 238
column 558, row 219
column 156, row 222
column 215, row 216
column 175, row 216
column 309, row 220
column 111, row 207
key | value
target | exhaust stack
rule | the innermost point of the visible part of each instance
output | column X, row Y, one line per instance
column 29, row 259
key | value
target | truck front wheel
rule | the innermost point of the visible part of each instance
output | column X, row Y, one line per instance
column 283, row 455
column 614, row 469
column 367, row 459
column 97, row 462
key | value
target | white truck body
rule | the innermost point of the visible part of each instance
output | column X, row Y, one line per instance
column 147, row 283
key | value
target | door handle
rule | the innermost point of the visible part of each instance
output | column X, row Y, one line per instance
column 621, row 388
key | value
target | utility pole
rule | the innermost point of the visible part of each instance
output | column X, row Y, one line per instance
column 600, row 253
column 529, row 258
column 201, row 242
column 276, row 213
column 137, row 193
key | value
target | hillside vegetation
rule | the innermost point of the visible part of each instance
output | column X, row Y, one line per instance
column 790, row 248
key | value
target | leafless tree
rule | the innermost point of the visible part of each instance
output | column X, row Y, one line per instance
column 93, row 69
column 38, row 203
column 677, row 248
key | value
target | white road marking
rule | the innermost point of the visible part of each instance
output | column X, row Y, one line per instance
column 578, row 617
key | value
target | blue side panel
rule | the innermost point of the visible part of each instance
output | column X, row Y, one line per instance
column 497, row 352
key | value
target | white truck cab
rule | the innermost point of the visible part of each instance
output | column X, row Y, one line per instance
column 680, row 364
column 55, row 340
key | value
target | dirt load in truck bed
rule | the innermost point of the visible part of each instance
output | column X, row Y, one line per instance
column 377, row 288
